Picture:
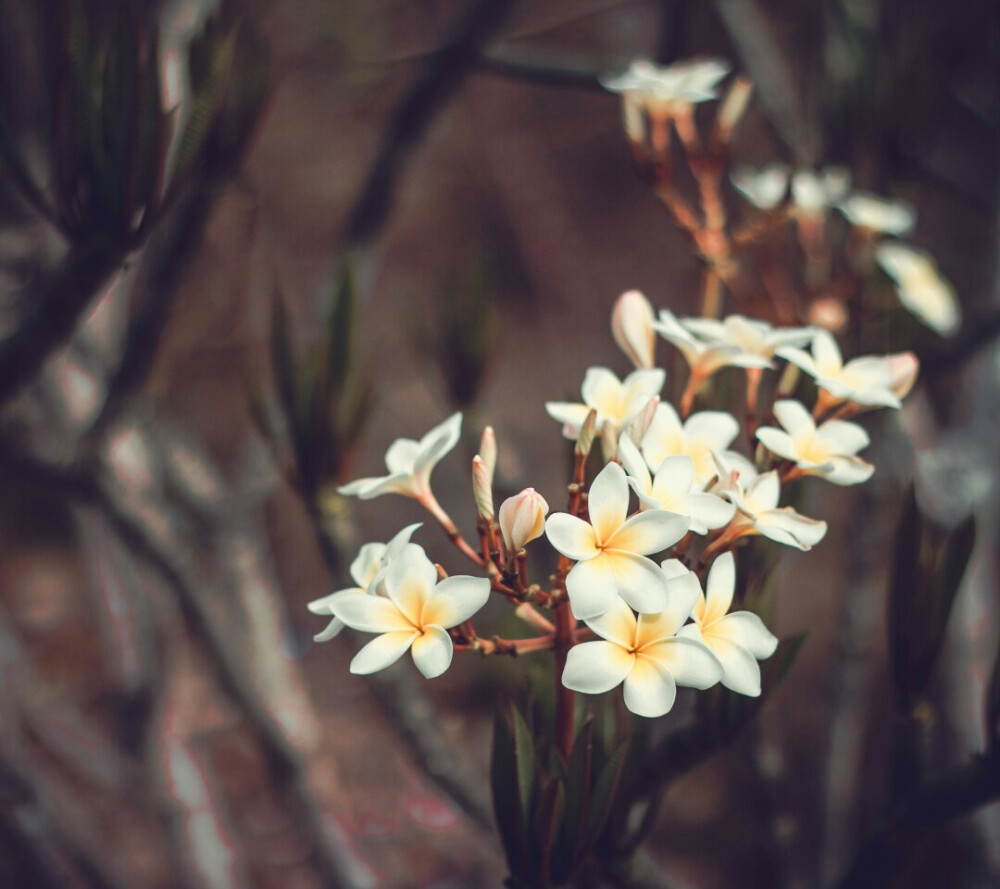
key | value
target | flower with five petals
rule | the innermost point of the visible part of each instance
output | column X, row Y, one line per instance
column 697, row 437
column 616, row 401
column 758, row 513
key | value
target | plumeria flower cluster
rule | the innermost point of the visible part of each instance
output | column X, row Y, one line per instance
column 646, row 580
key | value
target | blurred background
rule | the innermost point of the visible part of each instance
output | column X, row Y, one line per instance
column 245, row 245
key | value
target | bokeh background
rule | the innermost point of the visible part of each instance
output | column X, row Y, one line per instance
column 165, row 719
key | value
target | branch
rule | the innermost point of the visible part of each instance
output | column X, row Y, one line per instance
column 518, row 67
column 443, row 73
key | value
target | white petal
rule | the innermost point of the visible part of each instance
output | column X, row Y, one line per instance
column 332, row 630
column 617, row 624
column 634, row 464
column 799, row 358
column 649, row 532
column 672, row 568
column 432, row 651
column 690, row 662
column 740, row 670
column 571, row 536
column 370, row 614
column 649, row 689
column 367, row 563
column 663, row 438
column 719, row 587
column 793, row 416
column 682, row 593
column 382, row 651
column 596, row 667
column 454, row 600
column 849, row 471
column 571, row 415
column 826, row 353
column 778, row 524
column 642, row 384
column 601, row 389
column 401, row 538
column 409, row 580
column 325, row 604
column 765, row 492
column 439, row 441
column 607, row 503
column 402, row 455
column 716, row 429
column 674, row 475
column 746, row 629
column 707, row 511
column 637, row 580
column 592, row 587
column 777, row 441
column 845, row 439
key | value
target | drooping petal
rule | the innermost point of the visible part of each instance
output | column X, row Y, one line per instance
column 849, row 471
column 325, row 604
column 439, row 441
column 741, row 673
column 634, row 464
column 332, row 631
column 382, row 651
column 707, row 511
column 747, row 629
column 367, row 563
column 454, row 600
column 596, row 667
column 777, row 441
column 649, row 532
column 592, row 587
column 617, row 624
column 432, row 651
column 608, row 501
column 370, row 614
column 409, row 580
column 719, row 587
column 638, row 581
column 650, row 690
column 690, row 662
column 571, row 536
column 402, row 455
column 781, row 524
column 793, row 416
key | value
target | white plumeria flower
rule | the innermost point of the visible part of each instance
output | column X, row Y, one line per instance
column 758, row 513
column 866, row 380
column 829, row 451
column 610, row 550
column 738, row 639
column 366, row 570
column 921, row 288
column 877, row 214
column 662, row 89
column 764, row 188
column 697, row 438
column 813, row 193
column 703, row 358
column 752, row 338
column 645, row 654
column 632, row 328
column 670, row 489
column 414, row 614
column 410, row 464
column 616, row 401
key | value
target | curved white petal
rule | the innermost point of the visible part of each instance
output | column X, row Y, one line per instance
column 592, row 587
column 764, row 493
column 849, row 471
column 454, row 600
column 672, row 568
column 402, row 455
column 370, row 614
column 690, row 662
column 719, row 587
column 332, row 630
column 382, row 652
column 683, row 592
column 634, row 464
column 409, row 580
column 325, row 604
column 777, row 441
column 367, row 563
column 799, row 358
column 596, row 667
column 826, row 354
column 741, row 672
column 716, row 429
column 601, row 389
column 649, row 689
column 637, row 580
column 674, row 475
column 571, row 536
column 649, row 532
column 571, row 415
column 439, row 441
column 793, row 416
column 664, row 436
column 845, row 439
column 746, row 629
column 432, row 651
column 617, row 624
column 643, row 383
column 707, row 511
column 781, row 524
column 607, row 503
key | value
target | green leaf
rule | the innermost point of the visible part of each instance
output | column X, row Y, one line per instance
column 548, row 812
column 605, row 788
column 504, row 786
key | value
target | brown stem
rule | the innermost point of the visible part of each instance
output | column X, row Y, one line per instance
column 565, row 699
column 429, row 502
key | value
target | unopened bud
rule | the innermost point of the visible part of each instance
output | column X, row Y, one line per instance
column 482, row 490
column 522, row 519
column 828, row 313
column 609, row 441
column 588, row 431
column 639, row 425
column 633, row 120
column 488, row 452
column 904, row 368
column 632, row 327
column 733, row 107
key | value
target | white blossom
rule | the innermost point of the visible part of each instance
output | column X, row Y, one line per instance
column 522, row 519
column 752, row 338
column 764, row 188
column 813, row 192
column 412, row 613
column 662, row 89
column 616, row 401
column 632, row 328
column 697, row 437
column 704, row 358
column 921, row 288
column 877, row 214
column 610, row 550
column 758, row 513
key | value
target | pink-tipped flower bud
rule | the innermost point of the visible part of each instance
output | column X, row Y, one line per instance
column 482, row 490
column 904, row 367
column 828, row 313
column 632, row 327
column 522, row 519
column 488, row 452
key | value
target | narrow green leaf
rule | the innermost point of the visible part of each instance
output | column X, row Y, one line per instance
column 504, row 785
column 524, row 752
column 547, row 816
column 605, row 788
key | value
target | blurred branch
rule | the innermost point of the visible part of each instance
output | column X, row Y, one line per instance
column 521, row 67
column 442, row 74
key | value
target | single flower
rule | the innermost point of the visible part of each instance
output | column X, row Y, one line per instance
column 414, row 614
column 616, row 401
column 875, row 214
column 632, row 328
column 645, row 654
column 764, row 188
column 738, row 639
column 365, row 570
column 663, row 89
column 610, row 550
column 671, row 489
column 921, row 288
column 704, row 358
column 813, row 192
column 867, row 380
column 752, row 339
column 697, row 437
column 829, row 451
column 410, row 464
column 522, row 519
column 758, row 513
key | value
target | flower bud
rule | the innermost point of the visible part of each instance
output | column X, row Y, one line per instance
column 488, row 452
column 632, row 327
column 904, row 368
column 609, row 441
column 522, row 519
column 588, row 431
column 639, row 425
column 482, row 490
column 733, row 107
column 828, row 313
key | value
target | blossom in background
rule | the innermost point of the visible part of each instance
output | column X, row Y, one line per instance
column 758, row 513
column 366, row 568
column 616, row 401
column 703, row 358
column 632, row 328
column 414, row 613
column 410, row 464
column 610, row 550
column 920, row 287
column 764, row 188
column 866, row 380
column 522, row 519
column 671, row 489
column 644, row 653
column 756, row 341
column 903, row 370
column 738, row 639
column 877, row 214
column 829, row 451
column 662, row 89
column 697, row 438
column 813, row 192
